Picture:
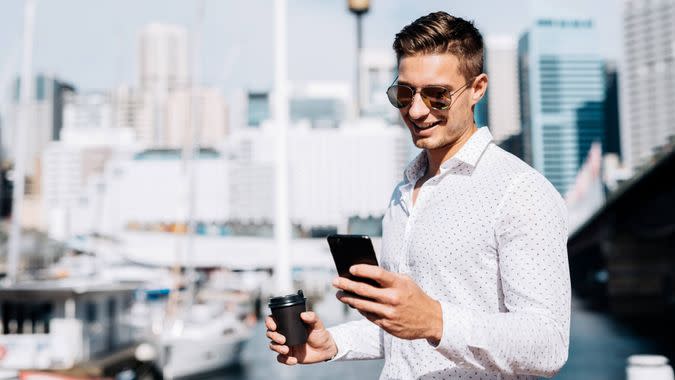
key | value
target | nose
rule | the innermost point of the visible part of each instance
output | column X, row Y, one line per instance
column 418, row 110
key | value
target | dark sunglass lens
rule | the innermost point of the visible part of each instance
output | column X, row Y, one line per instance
column 437, row 96
column 399, row 96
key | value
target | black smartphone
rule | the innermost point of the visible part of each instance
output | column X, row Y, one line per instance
column 348, row 250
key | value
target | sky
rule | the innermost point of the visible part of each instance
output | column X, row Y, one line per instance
column 92, row 44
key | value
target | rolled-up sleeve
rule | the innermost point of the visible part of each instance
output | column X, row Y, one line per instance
column 531, row 337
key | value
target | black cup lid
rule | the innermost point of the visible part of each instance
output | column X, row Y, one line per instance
column 289, row 300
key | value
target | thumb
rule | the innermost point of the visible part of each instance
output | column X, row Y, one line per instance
column 312, row 320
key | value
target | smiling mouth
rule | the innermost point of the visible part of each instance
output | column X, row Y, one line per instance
column 425, row 127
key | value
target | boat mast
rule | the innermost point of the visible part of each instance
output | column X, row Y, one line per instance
column 191, row 152
column 24, row 122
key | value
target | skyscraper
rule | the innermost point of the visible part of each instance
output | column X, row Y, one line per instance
column 210, row 118
column 162, row 69
column 501, row 65
column 133, row 109
column 562, row 93
column 162, row 57
column 45, row 117
column 647, row 82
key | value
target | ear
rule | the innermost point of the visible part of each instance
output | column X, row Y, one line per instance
column 478, row 88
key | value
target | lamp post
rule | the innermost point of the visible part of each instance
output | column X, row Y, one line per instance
column 282, row 224
column 359, row 8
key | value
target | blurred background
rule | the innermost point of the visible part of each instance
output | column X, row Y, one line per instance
column 167, row 166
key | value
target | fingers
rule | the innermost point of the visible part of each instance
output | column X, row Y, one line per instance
column 276, row 337
column 364, row 305
column 312, row 320
column 382, row 276
column 270, row 324
column 361, row 289
column 288, row 360
column 271, row 333
column 280, row 348
column 376, row 319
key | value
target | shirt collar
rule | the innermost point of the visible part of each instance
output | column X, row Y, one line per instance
column 469, row 154
column 474, row 148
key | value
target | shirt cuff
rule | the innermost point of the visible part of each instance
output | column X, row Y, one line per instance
column 341, row 340
column 454, row 343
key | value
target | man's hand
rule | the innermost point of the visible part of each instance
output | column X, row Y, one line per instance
column 400, row 306
column 320, row 345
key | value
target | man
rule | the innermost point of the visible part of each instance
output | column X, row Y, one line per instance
column 474, row 275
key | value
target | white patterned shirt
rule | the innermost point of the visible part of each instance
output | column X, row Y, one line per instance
column 487, row 238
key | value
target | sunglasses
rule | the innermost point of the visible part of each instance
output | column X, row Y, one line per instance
column 436, row 97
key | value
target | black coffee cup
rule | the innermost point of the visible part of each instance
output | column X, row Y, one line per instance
column 286, row 313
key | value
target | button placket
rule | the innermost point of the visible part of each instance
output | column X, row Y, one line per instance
column 426, row 188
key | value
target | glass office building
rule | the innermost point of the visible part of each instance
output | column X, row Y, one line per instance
column 562, row 91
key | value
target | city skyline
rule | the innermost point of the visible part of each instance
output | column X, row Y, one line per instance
column 103, row 57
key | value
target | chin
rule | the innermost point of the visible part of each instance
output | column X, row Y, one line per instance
column 424, row 144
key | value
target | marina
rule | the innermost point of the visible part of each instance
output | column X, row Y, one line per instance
column 160, row 183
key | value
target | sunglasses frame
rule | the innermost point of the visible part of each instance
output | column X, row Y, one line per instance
column 425, row 99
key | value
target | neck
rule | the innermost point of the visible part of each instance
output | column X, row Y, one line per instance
column 436, row 157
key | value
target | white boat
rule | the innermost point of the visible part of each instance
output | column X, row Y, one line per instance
column 208, row 340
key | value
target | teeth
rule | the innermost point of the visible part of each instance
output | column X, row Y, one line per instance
column 427, row 127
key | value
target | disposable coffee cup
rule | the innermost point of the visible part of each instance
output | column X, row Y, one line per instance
column 286, row 313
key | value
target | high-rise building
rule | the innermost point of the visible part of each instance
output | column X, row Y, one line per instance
column 210, row 118
column 647, row 78
column 162, row 58
column 257, row 108
column 69, row 166
column 45, row 118
column 503, row 103
column 612, row 140
column 134, row 109
column 562, row 86
column 480, row 111
column 162, row 69
column 91, row 110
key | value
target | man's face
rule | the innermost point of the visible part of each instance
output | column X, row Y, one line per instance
column 433, row 129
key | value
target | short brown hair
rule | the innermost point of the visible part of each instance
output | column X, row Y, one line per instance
column 440, row 32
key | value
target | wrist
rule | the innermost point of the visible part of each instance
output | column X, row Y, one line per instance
column 435, row 331
column 332, row 350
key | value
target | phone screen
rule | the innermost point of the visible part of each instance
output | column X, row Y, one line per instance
column 348, row 250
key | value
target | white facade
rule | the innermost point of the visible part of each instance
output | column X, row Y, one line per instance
column 503, row 93
column 154, row 189
column 69, row 168
column 334, row 173
column 92, row 110
column 162, row 57
column 647, row 78
column 377, row 72
column 66, row 170
column 134, row 109
column 210, row 118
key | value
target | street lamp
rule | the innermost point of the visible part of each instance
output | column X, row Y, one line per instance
column 359, row 8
